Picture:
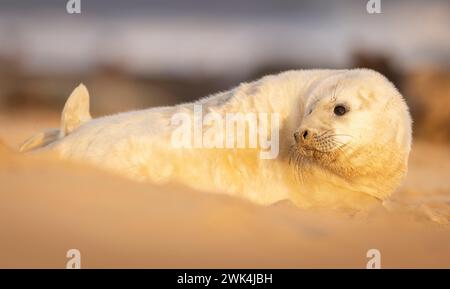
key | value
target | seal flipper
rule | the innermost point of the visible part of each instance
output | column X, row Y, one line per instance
column 40, row 140
column 76, row 110
column 74, row 114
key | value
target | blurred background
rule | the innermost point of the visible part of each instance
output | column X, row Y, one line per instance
column 135, row 54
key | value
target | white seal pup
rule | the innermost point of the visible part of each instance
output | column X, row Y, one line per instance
column 344, row 140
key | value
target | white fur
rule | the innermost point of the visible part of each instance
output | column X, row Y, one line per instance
column 137, row 144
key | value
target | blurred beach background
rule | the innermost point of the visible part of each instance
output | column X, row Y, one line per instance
column 137, row 54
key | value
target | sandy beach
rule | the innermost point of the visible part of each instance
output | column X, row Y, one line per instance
column 48, row 207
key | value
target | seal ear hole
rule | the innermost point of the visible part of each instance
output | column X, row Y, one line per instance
column 340, row 109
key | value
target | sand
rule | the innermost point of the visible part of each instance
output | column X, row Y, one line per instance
column 49, row 206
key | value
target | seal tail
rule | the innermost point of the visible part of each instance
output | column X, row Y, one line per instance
column 75, row 113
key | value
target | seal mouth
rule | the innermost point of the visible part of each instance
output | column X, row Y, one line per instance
column 323, row 150
column 310, row 153
column 301, row 158
column 325, row 142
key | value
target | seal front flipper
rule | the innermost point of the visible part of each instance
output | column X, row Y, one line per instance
column 74, row 114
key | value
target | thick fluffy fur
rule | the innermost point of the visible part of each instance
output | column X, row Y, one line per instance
column 362, row 159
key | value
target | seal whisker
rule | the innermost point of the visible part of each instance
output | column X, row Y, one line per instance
column 323, row 134
column 300, row 170
column 333, row 135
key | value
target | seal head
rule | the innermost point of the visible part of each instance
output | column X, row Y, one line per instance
column 356, row 126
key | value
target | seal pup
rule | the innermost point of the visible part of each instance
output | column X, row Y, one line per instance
column 344, row 140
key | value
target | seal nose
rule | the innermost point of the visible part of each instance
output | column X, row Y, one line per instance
column 301, row 136
column 305, row 134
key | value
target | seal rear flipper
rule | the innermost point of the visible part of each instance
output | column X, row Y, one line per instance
column 76, row 110
column 74, row 114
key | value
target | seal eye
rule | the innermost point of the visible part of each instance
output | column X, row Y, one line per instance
column 339, row 110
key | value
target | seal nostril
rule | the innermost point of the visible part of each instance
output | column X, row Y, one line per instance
column 296, row 136
column 305, row 134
